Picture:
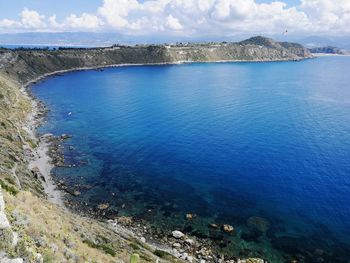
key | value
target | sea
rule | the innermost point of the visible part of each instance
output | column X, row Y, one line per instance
column 263, row 147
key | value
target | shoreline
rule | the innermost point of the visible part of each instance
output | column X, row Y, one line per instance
column 75, row 69
column 41, row 162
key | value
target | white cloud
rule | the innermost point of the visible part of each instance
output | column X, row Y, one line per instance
column 85, row 21
column 7, row 23
column 173, row 23
column 197, row 17
column 31, row 19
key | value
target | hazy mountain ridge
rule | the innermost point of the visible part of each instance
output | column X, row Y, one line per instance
column 329, row 50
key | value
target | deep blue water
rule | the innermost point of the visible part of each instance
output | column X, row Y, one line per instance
column 225, row 141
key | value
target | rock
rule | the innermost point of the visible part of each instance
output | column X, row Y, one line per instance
column 176, row 253
column 68, row 243
column 258, row 223
column 177, row 245
column 65, row 136
column 184, row 256
column 124, row 220
column 228, row 228
column 143, row 240
column 251, row 260
column 7, row 238
column 8, row 260
column 215, row 226
column 190, row 242
column 189, row 258
column 189, row 216
column 103, row 206
column 177, row 234
column 39, row 258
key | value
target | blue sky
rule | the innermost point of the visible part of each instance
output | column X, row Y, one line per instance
column 163, row 18
column 12, row 9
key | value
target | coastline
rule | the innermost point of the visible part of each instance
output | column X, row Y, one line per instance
column 53, row 73
column 41, row 162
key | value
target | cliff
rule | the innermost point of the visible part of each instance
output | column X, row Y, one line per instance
column 33, row 229
column 26, row 64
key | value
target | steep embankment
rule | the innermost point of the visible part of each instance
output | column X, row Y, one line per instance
column 40, row 231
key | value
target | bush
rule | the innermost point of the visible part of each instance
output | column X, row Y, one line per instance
column 104, row 247
column 162, row 254
column 8, row 188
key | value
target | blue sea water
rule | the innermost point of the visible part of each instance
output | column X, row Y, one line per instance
column 232, row 143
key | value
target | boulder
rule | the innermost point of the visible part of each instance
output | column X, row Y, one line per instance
column 177, row 234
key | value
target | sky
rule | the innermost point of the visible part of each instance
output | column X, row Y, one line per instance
column 185, row 18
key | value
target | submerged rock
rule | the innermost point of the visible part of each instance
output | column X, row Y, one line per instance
column 103, row 206
column 258, row 223
column 215, row 226
column 190, row 216
column 228, row 228
column 251, row 260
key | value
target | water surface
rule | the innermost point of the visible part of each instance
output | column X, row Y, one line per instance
column 264, row 147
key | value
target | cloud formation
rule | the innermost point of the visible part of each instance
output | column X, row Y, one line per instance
column 196, row 18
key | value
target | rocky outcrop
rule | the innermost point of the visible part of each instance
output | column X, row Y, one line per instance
column 8, row 238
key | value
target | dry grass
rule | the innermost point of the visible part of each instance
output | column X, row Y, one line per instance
column 60, row 236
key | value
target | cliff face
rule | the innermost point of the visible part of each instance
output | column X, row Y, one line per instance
column 27, row 65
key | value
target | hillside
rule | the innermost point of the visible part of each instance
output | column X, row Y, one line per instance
column 35, row 230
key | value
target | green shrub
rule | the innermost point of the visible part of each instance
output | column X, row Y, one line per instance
column 161, row 253
column 8, row 188
column 134, row 258
column 104, row 247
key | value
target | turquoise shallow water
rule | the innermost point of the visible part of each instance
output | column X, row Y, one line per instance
column 264, row 147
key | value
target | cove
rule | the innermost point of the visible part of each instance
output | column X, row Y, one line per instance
column 264, row 147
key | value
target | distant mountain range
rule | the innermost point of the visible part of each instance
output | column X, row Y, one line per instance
column 329, row 50
column 107, row 39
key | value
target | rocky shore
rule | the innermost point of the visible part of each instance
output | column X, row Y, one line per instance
column 33, row 229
